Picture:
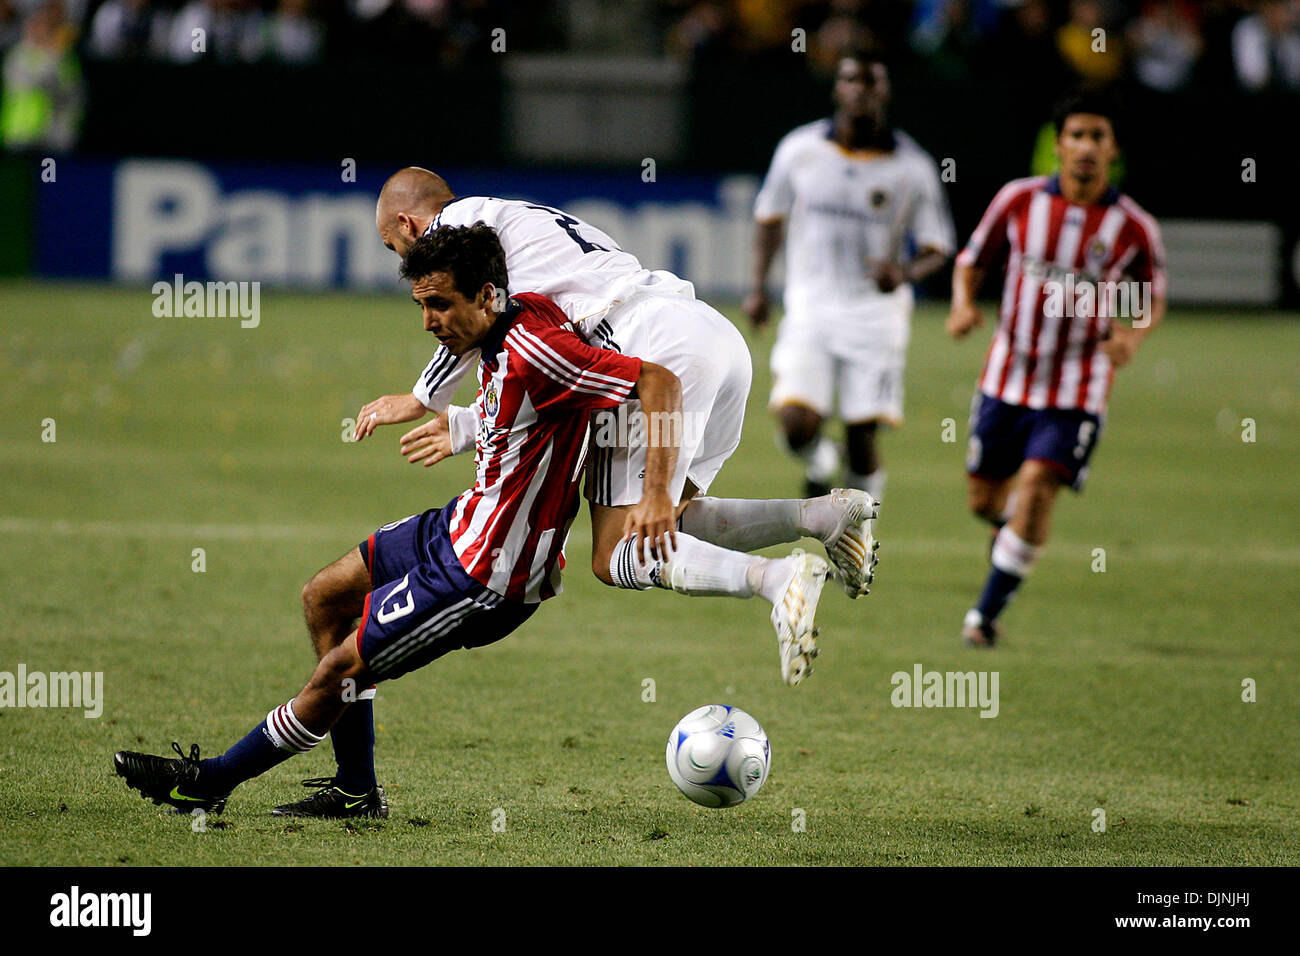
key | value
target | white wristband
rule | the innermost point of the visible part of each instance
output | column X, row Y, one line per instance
column 462, row 425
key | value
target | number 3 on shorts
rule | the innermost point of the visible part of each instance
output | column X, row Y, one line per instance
column 384, row 616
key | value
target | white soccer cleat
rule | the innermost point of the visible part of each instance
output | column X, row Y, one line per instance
column 852, row 547
column 793, row 615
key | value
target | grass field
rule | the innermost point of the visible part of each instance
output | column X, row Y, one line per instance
column 1119, row 690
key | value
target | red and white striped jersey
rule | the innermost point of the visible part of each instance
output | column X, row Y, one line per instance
column 538, row 383
column 1071, row 270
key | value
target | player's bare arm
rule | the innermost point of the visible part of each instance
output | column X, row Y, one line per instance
column 388, row 410
column 889, row 275
column 767, row 242
column 964, row 314
column 654, row 518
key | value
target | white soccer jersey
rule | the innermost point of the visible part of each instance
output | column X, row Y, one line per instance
column 843, row 213
column 574, row 264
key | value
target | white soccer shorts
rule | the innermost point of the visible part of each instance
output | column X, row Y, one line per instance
column 702, row 348
column 861, row 384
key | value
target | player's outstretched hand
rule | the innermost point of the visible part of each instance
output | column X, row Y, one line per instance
column 653, row 522
column 387, row 410
column 429, row 443
column 758, row 307
column 962, row 319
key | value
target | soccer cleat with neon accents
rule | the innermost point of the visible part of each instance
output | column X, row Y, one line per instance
column 333, row 803
column 851, row 546
column 794, row 613
column 168, row 780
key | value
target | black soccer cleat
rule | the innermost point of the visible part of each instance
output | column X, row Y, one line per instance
column 332, row 803
column 168, row 780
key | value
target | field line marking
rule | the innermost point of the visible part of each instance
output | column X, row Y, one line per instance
column 924, row 547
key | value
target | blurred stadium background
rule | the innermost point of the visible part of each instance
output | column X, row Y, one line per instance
column 227, row 163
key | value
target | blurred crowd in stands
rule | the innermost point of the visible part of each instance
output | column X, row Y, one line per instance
column 1164, row 46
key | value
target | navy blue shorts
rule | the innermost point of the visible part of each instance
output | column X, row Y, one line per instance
column 423, row 604
column 1003, row 437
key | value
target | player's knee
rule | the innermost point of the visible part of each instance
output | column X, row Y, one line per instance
column 983, row 504
column 800, row 425
column 311, row 596
column 1039, row 480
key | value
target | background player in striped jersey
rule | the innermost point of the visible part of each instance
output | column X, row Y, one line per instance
column 1085, row 285
column 464, row 575
column 617, row 304
column 848, row 191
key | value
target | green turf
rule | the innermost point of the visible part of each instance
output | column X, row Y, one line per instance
column 1119, row 690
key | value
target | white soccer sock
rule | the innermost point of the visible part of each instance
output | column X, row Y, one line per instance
column 287, row 732
column 693, row 567
column 771, row 578
column 744, row 524
column 821, row 458
column 822, row 462
column 628, row 568
column 1012, row 554
column 873, row 484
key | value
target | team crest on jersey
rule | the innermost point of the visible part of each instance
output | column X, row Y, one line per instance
column 879, row 198
column 491, row 401
column 1097, row 252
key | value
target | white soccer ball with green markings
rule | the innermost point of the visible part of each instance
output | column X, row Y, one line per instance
column 718, row 756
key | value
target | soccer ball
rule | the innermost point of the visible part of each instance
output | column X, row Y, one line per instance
column 718, row 756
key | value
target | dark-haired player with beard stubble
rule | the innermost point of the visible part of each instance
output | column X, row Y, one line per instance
column 464, row 575
column 1085, row 285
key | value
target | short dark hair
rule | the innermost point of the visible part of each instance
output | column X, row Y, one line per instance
column 1092, row 100
column 471, row 255
column 864, row 53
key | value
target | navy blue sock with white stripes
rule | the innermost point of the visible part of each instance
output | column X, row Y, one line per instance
column 273, row 741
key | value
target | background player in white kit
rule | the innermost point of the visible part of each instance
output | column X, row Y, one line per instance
column 849, row 192
column 615, row 303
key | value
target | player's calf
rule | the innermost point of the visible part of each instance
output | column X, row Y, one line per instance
column 801, row 432
column 989, row 499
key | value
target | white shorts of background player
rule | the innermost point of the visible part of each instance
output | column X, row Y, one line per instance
column 849, row 363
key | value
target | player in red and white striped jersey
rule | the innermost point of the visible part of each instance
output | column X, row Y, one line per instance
column 1085, row 284
column 464, row 575
column 508, row 530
